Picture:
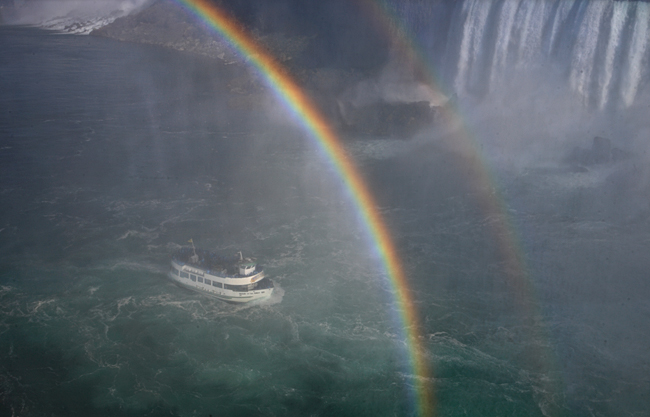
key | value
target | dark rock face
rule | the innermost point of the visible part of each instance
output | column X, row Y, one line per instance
column 167, row 24
column 601, row 152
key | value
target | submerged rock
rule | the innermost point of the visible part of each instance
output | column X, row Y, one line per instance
column 601, row 152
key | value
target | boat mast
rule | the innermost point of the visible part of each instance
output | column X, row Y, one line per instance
column 195, row 257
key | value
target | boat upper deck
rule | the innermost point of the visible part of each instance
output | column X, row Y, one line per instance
column 211, row 262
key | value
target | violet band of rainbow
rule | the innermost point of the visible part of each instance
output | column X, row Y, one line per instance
column 325, row 138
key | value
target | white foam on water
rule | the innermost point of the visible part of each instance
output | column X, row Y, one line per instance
column 276, row 296
column 146, row 235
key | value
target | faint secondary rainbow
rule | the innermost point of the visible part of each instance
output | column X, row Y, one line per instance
column 483, row 181
column 313, row 121
column 463, row 142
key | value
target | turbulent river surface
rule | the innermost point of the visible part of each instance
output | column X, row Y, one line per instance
column 113, row 155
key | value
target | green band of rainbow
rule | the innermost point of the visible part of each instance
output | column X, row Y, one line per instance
column 318, row 127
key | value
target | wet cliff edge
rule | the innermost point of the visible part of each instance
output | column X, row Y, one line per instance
column 325, row 74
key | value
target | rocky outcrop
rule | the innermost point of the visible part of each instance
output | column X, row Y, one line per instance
column 167, row 24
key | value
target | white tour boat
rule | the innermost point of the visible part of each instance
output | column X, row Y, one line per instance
column 236, row 280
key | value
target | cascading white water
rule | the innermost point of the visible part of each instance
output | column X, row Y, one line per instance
column 599, row 47
column 634, row 70
column 618, row 21
column 471, row 48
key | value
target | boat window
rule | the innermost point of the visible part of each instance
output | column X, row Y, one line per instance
column 217, row 284
column 184, row 274
column 193, row 277
column 175, row 271
column 200, row 279
column 207, row 281
column 236, row 287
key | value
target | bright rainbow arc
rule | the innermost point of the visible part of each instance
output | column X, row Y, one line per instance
column 313, row 121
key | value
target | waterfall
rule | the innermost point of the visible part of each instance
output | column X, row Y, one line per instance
column 634, row 70
column 599, row 48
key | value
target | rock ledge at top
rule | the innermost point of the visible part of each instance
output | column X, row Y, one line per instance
column 165, row 23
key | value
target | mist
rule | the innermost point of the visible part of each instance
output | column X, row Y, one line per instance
column 505, row 143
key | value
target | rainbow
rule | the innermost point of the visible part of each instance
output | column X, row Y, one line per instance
column 482, row 179
column 307, row 114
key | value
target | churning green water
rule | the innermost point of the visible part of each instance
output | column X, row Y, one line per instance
column 113, row 155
